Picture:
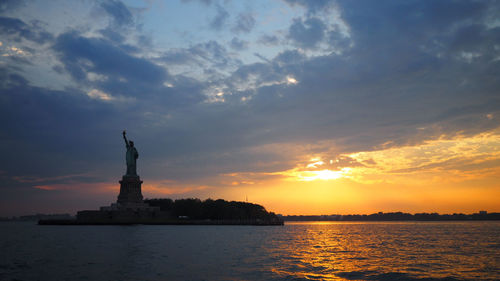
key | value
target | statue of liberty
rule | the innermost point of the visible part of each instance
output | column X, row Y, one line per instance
column 131, row 157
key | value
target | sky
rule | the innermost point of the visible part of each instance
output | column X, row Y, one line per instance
column 306, row 107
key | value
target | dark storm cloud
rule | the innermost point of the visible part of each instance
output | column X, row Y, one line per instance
column 118, row 11
column 244, row 23
column 307, row 33
column 20, row 30
column 220, row 18
column 81, row 55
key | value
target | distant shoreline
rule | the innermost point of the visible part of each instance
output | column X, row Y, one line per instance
column 165, row 222
column 399, row 216
column 395, row 216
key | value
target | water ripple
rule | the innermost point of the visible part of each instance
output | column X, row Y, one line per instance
column 451, row 251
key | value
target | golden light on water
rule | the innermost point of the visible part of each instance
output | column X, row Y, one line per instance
column 378, row 251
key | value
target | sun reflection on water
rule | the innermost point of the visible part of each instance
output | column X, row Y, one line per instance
column 381, row 251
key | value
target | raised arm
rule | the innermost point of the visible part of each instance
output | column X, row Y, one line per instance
column 125, row 138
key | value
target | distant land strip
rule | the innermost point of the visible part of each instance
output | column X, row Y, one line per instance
column 394, row 216
column 399, row 216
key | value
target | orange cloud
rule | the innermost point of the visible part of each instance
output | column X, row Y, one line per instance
column 45, row 187
column 442, row 175
column 98, row 188
column 458, row 159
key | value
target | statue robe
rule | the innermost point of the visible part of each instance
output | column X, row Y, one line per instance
column 131, row 157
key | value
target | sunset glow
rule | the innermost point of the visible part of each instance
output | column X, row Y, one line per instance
column 250, row 140
column 305, row 107
column 307, row 175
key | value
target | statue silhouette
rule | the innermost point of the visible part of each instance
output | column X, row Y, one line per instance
column 131, row 157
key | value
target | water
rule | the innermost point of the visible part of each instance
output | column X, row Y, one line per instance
column 301, row 251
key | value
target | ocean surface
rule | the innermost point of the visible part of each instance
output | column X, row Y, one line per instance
column 297, row 251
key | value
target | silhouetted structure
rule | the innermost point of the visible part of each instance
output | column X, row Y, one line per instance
column 130, row 156
column 131, row 209
column 130, row 197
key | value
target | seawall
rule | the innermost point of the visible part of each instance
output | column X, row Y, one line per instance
column 160, row 222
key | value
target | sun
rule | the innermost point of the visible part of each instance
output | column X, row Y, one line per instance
column 322, row 175
column 300, row 174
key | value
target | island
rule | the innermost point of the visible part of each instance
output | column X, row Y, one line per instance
column 131, row 208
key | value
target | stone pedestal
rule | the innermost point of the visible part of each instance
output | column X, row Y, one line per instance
column 130, row 190
column 128, row 209
column 130, row 197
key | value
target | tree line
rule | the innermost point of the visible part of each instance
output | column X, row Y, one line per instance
column 194, row 208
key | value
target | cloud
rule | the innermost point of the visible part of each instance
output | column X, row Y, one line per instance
column 338, row 41
column 244, row 23
column 271, row 72
column 20, row 30
column 261, row 57
column 458, row 159
column 65, row 179
column 113, row 35
column 118, row 11
column 60, row 132
column 208, row 54
column 413, row 22
column 9, row 5
column 269, row 40
column 308, row 33
column 312, row 6
column 406, row 74
column 97, row 94
column 220, row 18
column 238, row 44
column 11, row 80
column 475, row 42
column 206, row 2
column 81, row 55
column 35, row 121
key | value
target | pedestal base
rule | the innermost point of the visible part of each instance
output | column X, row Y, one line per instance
column 130, row 190
column 128, row 209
